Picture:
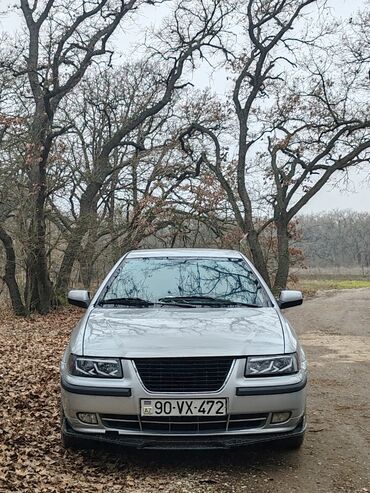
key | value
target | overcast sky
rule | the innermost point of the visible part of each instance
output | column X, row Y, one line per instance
column 353, row 194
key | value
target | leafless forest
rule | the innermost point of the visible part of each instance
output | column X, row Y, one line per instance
column 103, row 150
column 336, row 240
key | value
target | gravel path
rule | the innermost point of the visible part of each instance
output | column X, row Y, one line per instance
column 335, row 331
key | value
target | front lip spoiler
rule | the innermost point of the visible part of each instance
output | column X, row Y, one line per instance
column 181, row 443
column 273, row 389
column 104, row 391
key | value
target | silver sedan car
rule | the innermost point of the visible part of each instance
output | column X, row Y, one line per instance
column 183, row 348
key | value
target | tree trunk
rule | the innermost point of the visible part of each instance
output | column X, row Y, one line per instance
column 36, row 159
column 248, row 225
column 87, row 264
column 10, row 274
column 83, row 224
column 42, row 294
column 283, row 256
column 87, row 255
column 31, row 290
column 69, row 257
column 258, row 257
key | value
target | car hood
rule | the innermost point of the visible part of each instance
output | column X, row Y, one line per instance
column 173, row 332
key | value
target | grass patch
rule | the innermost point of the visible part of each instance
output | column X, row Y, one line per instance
column 311, row 286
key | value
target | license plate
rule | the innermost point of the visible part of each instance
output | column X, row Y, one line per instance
column 183, row 407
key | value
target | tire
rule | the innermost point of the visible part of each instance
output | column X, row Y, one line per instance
column 68, row 442
column 293, row 443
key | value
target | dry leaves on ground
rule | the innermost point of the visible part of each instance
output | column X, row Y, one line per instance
column 31, row 456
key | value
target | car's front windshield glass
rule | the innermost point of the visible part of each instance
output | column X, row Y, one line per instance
column 185, row 280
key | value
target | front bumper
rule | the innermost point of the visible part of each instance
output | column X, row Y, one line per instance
column 244, row 397
column 183, row 442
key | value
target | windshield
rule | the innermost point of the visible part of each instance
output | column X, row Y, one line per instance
column 200, row 281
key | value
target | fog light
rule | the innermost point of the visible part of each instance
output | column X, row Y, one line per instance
column 89, row 418
column 280, row 417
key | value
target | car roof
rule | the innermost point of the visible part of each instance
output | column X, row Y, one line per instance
column 185, row 252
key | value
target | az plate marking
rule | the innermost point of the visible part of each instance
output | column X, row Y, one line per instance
column 184, row 407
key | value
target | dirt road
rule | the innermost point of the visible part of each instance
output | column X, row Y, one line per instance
column 335, row 331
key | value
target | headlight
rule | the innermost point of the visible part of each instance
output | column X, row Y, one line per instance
column 95, row 367
column 261, row 366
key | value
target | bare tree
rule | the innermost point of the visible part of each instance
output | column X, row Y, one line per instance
column 96, row 159
column 308, row 132
column 63, row 41
column 321, row 129
column 153, row 90
column 337, row 239
column 11, row 131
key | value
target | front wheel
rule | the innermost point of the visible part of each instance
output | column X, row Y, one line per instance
column 68, row 442
column 293, row 443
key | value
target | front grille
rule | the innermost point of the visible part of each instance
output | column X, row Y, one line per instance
column 184, row 424
column 183, row 374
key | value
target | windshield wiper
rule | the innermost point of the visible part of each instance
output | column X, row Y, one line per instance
column 139, row 302
column 205, row 300
column 125, row 301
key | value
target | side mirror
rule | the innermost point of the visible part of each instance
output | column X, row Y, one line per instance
column 290, row 298
column 79, row 297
